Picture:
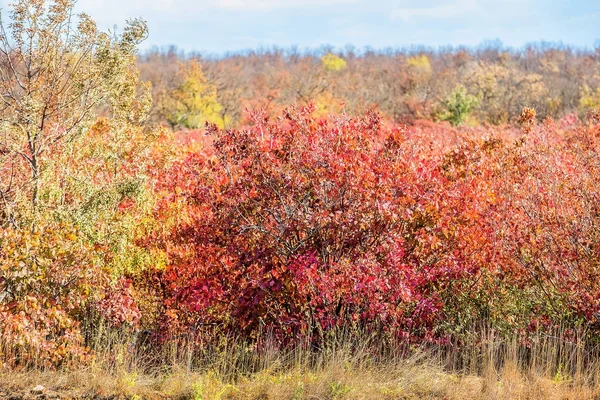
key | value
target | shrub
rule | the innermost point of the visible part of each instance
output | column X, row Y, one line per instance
column 302, row 225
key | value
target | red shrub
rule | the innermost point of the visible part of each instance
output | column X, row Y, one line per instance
column 300, row 225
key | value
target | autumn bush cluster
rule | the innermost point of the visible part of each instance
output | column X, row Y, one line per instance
column 292, row 226
column 299, row 225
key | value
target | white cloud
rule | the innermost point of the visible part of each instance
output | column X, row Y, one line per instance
column 116, row 11
column 445, row 10
column 186, row 6
column 261, row 5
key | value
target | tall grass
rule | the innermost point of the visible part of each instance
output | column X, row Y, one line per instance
column 349, row 365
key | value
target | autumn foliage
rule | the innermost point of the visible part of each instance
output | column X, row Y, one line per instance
column 298, row 225
column 302, row 221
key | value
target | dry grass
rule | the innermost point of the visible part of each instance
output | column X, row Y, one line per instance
column 404, row 380
column 551, row 368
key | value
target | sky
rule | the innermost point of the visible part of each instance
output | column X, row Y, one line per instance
column 220, row 26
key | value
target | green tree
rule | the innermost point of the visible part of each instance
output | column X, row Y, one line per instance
column 458, row 105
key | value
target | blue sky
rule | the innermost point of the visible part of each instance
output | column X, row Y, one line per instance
column 229, row 25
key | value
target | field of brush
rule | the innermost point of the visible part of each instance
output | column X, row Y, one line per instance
column 277, row 225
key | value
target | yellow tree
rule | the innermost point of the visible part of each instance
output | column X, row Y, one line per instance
column 590, row 99
column 194, row 100
column 331, row 62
